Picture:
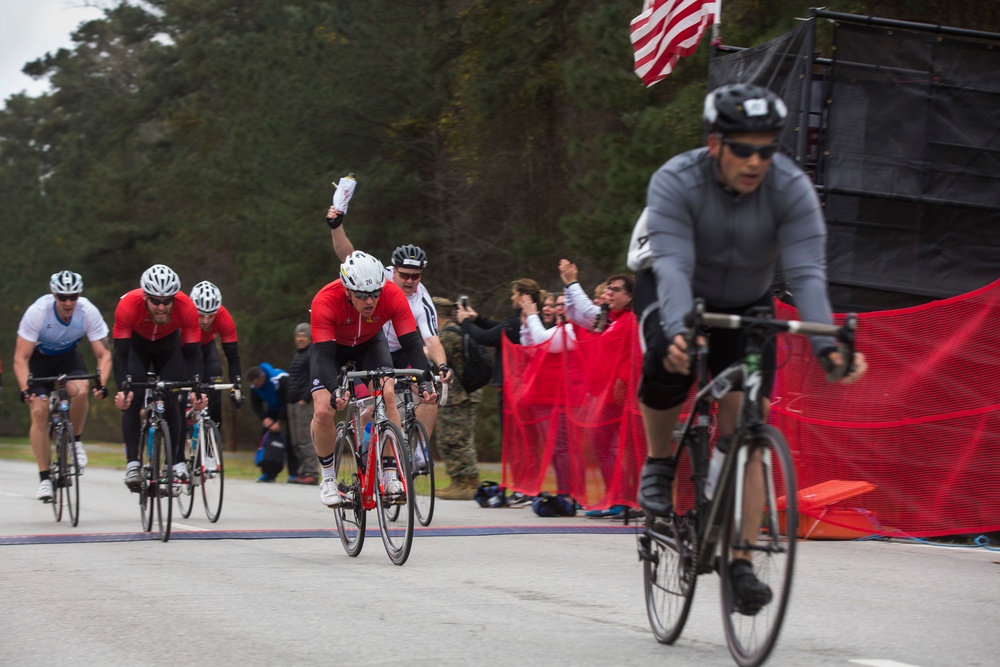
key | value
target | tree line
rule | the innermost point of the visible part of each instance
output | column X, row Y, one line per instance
column 498, row 136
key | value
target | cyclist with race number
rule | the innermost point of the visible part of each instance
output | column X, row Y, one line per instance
column 156, row 330
column 214, row 319
column 718, row 220
column 47, row 340
column 347, row 319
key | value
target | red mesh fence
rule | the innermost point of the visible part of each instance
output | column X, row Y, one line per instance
column 922, row 428
column 571, row 419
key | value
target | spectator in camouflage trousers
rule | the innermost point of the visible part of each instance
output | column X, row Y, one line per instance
column 456, row 422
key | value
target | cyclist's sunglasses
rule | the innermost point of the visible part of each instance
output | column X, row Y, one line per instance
column 364, row 296
column 407, row 276
column 746, row 151
column 67, row 297
column 165, row 301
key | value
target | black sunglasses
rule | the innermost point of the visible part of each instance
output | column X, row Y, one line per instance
column 364, row 296
column 746, row 151
column 166, row 301
column 67, row 297
column 407, row 276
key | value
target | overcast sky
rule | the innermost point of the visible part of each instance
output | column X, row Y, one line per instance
column 31, row 28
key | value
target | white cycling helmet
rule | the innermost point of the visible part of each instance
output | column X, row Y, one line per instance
column 361, row 272
column 207, row 298
column 160, row 280
column 66, row 282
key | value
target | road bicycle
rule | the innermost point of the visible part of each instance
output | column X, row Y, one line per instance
column 707, row 528
column 418, row 445
column 156, row 454
column 204, row 461
column 363, row 468
column 64, row 469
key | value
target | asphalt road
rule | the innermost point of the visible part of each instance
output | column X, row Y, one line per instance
column 270, row 584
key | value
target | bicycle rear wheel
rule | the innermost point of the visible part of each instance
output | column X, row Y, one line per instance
column 751, row 629
column 69, row 474
column 396, row 526
column 423, row 474
column 212, row 472
column 162, row 483
column 666, row 548
column 351, row 515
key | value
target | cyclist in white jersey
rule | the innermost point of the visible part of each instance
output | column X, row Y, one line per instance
column 47, row 340
column 406, row 270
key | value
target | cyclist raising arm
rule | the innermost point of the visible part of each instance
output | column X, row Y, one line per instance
column 347, row 317
column 719, row 218
column 156, row 329
column 47, row 340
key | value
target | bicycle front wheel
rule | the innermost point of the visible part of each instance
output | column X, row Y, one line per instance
column 162, row 483
column 752, row 613
column 57, row 467
column 146, row 485
column 666, row 548
column 69, row 474
column 185, row 501
column 423, row 472
column 396, row 526
column 210, row 469
column 351, row 515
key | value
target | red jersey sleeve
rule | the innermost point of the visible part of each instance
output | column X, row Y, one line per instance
column 322, row 314
column 223, row 325
column 131, row 311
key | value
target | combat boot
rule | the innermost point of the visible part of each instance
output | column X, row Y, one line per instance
column 461, row 488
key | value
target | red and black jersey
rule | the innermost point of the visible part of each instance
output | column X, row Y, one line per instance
column 223, row 325
column 334, row 317
column 132, row 317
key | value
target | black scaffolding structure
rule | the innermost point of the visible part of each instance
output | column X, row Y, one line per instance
column 900, row 131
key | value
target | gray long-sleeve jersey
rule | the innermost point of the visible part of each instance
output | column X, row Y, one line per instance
column 709, row 242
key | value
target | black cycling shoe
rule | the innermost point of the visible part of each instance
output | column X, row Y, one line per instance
column 656, row 487
column 750, row 594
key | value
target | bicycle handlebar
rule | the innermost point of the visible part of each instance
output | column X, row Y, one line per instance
column 180, row 385
column 62, row 379
column 698, row 319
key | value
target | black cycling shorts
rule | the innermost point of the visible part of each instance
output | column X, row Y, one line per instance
column 660, row 389
column 368, row 356
column 42, row 365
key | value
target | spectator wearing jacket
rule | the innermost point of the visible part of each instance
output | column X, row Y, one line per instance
column 300, row 409
column 269, row 400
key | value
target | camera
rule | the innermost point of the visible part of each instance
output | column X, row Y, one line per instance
column 464, row 301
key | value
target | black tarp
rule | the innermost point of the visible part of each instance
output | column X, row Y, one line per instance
column 904, row 147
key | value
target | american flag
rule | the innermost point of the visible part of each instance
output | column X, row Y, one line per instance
column 667, row 30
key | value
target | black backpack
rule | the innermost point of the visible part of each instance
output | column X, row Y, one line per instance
column 477, row 367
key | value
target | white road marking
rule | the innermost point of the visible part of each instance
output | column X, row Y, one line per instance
column 187, row 527
column 878, row 662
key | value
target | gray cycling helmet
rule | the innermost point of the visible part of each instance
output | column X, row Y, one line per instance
column 66, row 282
column 207, row 298
column 160, row 280
column 409, row 256
column 743, row 107
column 361, row 272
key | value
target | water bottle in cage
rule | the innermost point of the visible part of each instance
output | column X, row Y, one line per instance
column 194, row 437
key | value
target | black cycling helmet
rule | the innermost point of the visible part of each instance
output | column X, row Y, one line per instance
column 409, row 256
column 743, row 107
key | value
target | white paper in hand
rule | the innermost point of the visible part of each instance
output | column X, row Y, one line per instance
column 342, row 196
